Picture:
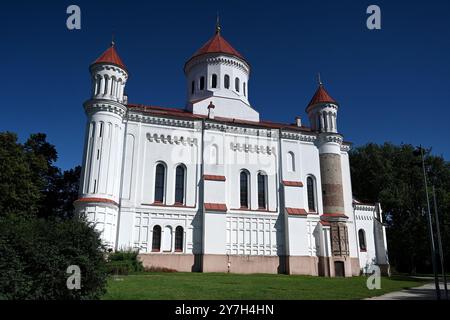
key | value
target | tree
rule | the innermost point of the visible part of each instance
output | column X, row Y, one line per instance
column 393, row 176
column 36, row 253
column 39, row 235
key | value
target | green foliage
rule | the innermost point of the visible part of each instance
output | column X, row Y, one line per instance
column 39, row 236
column 124, row 262
column 393, row 175
column 36, row 253
column 30, row 183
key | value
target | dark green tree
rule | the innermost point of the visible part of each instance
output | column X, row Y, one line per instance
column 393, row 175
column 39, row 235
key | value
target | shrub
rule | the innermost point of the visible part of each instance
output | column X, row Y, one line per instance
column 35, row 254
column 124, row 262
column 159, row 269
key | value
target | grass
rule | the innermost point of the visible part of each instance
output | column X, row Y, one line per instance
column 222, row 286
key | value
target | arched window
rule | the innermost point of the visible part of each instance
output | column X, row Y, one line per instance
column 236, row 84
column 213, row 154
column 105, row 92
column 179, row 239
column 214, row 81
column 244, row 177
column 226, row 81
column 156, row 239
column 192, row 87
column 179, row 184
column 262, row 187
column 202, row 83
column 311, row 194
column 245, row 89
column 291, row 161
column 362, row 240
column 160, row 178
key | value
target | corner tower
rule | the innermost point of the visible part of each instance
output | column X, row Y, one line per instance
column 102, row 157
column 219, row 74
column 322, row 113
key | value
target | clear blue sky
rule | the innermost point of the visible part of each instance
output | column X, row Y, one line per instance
column 392, row 84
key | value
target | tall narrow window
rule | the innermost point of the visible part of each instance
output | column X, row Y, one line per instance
column 202, row 83
column 362, row 240
column 214, row 81
column 245, row 89
column 179, row 239
column 156, row 239
column 236, row 84
column 311, row 194
column 291, row 161
column 160, row 182
column 244, row 189
column 262, row 180
column 226, row 81
column 192, row 87
column 106, row 86
column 179, row 184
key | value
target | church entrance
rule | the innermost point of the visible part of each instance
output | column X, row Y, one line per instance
column 339, row 269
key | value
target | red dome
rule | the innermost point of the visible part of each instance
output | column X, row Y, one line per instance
column 321, row 96
column 217, row 44
column 111, row 56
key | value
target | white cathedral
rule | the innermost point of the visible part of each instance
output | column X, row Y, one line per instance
column 212, row 187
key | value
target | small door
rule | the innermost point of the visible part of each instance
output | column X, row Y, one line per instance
column 339, row 269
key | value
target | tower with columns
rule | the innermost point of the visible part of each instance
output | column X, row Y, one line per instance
column 102, row 158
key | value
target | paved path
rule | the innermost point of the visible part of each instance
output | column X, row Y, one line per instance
column 425, row 292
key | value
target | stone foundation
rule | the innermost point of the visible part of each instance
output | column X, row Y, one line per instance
column 295, row 265
column 303, row 265
column 244, row 264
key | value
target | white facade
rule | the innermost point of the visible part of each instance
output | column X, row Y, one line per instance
column 214, row 186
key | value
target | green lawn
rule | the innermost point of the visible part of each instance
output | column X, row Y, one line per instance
column 220, row 286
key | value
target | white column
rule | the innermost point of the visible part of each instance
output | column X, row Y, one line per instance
column 102, row 86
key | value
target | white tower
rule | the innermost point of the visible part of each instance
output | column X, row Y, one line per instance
column 322, row 113
column 219, row 74
column 102, row 159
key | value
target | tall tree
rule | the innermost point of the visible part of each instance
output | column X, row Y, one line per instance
column 393, row 175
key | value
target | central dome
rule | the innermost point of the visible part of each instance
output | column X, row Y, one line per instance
column 217, row 44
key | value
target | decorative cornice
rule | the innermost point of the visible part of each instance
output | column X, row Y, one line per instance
column 364, row 207
column 222, row 127
column 244, row 147
column 330, row 137
column 297, row 136
column 162, row 121
column 161, row 138
column 95, row 105
column 218, row 58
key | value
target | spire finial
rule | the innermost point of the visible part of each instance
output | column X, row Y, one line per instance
column 217, row 23
column 112, row 40
column 319, row 80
